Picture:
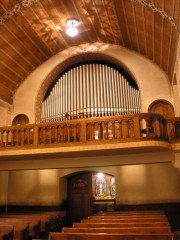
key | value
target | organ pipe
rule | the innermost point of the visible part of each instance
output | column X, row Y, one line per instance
column 90, row 90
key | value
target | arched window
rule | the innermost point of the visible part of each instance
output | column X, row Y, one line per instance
column 100, row 187
column 112, row 187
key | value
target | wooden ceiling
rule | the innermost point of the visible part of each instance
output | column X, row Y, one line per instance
column 31, row 31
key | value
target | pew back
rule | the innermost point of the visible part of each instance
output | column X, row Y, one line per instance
column 34, row 223
column 118, row 230
column 108, row 236
column 117, row 220
column 162, row 217
column 6, row 231
column 21, row 228
column 119, row 225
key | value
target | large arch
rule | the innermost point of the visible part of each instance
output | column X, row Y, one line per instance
column 31, row 92
column 64, row 65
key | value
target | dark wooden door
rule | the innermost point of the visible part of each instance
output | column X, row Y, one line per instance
column 79, row 197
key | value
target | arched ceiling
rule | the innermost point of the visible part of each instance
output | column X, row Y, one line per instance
column 31, row 31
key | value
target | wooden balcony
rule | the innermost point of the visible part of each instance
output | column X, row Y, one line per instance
column 91, row 131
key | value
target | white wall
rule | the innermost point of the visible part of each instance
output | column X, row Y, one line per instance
column 152, row 81
column 3, row 187
column 135, row 184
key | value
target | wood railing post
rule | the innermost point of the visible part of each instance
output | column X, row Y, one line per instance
column 170, row 130
column 35, row 138
column 137, row 133
column 83, row 132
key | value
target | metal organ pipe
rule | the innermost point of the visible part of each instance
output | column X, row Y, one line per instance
column 93, row 90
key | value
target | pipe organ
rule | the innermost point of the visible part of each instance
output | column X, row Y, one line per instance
column 90, row 90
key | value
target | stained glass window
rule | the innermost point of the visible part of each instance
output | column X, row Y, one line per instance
column 113, row 187
column 100, row 187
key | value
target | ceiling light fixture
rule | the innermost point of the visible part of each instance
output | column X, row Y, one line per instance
column 71, row 29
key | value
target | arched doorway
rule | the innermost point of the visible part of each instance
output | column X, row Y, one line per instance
column 20, row 119
column 162, row 107
column 88, row 193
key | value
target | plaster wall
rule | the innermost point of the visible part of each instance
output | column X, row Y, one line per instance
column 135, row 184
column 3, row 187
column 152, row 81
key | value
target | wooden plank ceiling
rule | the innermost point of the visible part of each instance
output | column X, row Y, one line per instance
column 31, row 31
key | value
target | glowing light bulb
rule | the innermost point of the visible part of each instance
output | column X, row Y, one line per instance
column 72, row 24
column 72, row 31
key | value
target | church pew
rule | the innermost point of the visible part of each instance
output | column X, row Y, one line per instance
column 6, row 231
column 21, row 228
column 131, row 213
column 117, row 220
column 109, row 236
column 41, row 223
column 33, row 222
column 128, row 216
column 120, row 225
column 118, row 230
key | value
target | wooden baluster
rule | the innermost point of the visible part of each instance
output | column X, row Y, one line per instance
column 55, row 134
column 75, row 132
column 17, row 139
column 100, row 130
column 157, row 129
column 106, row 130
column 124, row 129
column 44, row 134
column 113, row 130
column 120, row 129
column 69, row 132
column 92, row 130
column 59, row 133
column 117, row 129
column 12, row 138
column 83, row 132
column 63, row 133
column 34, row 136
column 6, row 140
column 49, row 131
column 130, row 128
column 137, row 128
column 22, row 137
column 28, row 136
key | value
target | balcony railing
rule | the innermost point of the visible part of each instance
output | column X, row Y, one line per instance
column 111, row 129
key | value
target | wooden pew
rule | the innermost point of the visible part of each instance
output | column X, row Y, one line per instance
column 40, row 224
column 33, row 222
column 119, row 230
column 110, row 216
column 120, row 225
column 131, row 213
column 6, row 231
column 109, row 236
column 116, row 220
column 21, row 228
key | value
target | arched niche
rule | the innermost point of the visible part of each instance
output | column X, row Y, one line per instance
column 20, row 119
column 162, row 107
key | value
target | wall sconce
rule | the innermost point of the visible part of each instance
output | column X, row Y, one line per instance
column 71, row 29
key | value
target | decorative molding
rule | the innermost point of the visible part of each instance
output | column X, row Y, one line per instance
column 154, row 8
column 27, row 3
column 16, row 9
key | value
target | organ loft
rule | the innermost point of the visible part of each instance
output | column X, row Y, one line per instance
column 89, row 119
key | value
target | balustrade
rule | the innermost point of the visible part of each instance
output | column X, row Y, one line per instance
column 119, row 128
